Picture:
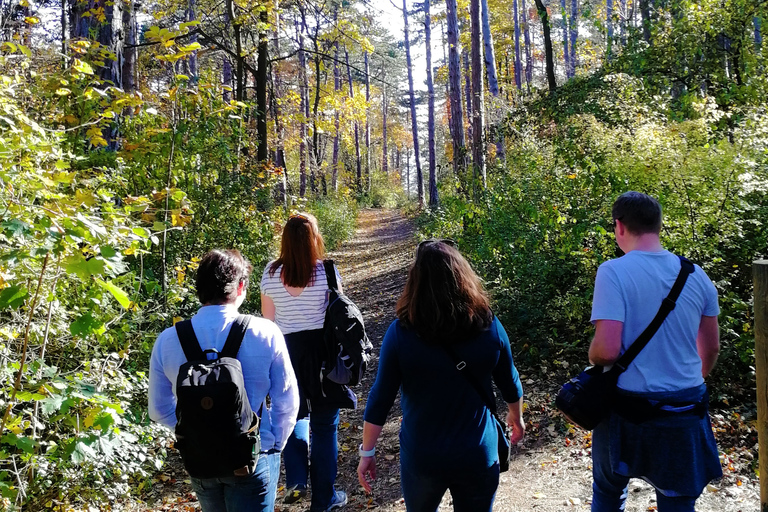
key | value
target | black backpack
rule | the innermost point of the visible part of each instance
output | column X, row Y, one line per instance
column 217, row 432
column 347, row 349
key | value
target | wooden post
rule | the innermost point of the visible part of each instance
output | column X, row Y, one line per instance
column 760, row 275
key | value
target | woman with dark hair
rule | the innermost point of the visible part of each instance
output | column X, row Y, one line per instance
column 294, row 292
column 448, row 436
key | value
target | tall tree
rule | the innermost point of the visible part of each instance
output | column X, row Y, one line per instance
column 414, row 122
column 367, row 122
column 130, row 54
column 110, row 36
column 518, row 58
column 454, row 80
column 645, row 15
column 337, row 134
column 431, row 107
column 190, row 16
column 548, row 54
column 528, row 47
column 261, row 87
column 277, row 114
column 756, row 21
column 478, row 100
column 490, row 66
column 609, row 28
column 574, row 25
column 566, row 53
column 65, row 30
column 384, row 157
column 304, row 108
column 468, row 94
column 358, row 161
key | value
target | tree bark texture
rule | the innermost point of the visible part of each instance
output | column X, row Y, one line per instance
column 491, row 71
column 454, row 79
column 574, row 25
column 261, row 88
column 303, row 106
column 566, row 53
column 358, row 159
column 367, row 123
column 518, row 58
column 548, row 54
column 336, row 88
column 384, row 147
column 130, row 54
column 609, row 28
column 414, row 122
column 757, row 22
column 430, row 107
column 192, row 59
column 110, row 35
column 468, row 96
column 528, row 48
column 645, row 14
column 478, row 100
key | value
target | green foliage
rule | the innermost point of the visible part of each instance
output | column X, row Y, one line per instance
column 336, row 217
column 386, row 192
column 543, row 226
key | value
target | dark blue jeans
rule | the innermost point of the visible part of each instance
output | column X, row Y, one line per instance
column 236, row 493
column 472, row 489
column 319, row 463
column 609, row 490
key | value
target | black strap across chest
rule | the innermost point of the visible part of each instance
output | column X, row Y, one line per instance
column 330, row 274
column 191, row 345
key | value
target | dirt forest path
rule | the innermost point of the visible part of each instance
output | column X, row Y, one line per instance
column 550, row 470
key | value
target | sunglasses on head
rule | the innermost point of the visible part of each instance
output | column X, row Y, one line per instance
column 299, row 216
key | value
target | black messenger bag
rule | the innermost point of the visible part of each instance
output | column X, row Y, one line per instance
column 588, row 397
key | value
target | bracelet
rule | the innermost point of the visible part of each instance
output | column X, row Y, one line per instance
column 366, row 453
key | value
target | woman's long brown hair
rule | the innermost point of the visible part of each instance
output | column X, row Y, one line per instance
column 302, row 245
column 443, row 299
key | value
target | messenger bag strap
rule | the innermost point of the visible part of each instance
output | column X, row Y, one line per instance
column 188, row 340
column 461, row 365
column 330, row 275
column 667, row 305
column 235, row 336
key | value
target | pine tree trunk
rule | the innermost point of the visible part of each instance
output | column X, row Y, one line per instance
column 566, row 53
column 367, row 124
column 430, row 107
column 574, row 22
column 490, row 66
column 478, row 99
column 358, row 159
column 261, row 88
column 131, row 51
column 304, row 100
column 518, row 58
column 110, row 36
column 548, row 54
column 277, row 111
column 192, row 59
column 414, row 121
column 336, row 88
column 384, row 157
column 609, row 28
column 528, row 48
column 645, row 14
column 64, row 31
column 468, row 96
column 454, row 80
column 757, row 22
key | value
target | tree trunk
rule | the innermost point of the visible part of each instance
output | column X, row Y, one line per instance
column 303, row 106
column 64, row 31
column 609, row 29
column 261, row 87
column 130, row 55
column 414, row 122
column 518, row 59
column 358, row 159
column 566, row 52
column 468, row 96
column 192, row 59
column 277, row 111
column 385, row 157
column 478, row 100
column 645, row 14
column 757, row 22
column 110, row 36
column 336, row 137
column 239, row 58
column 528, row 49
column 454, row 80
column 574, row 23
column 550, row 60
column 490, row 66
column 430, row 106
column 367, row 124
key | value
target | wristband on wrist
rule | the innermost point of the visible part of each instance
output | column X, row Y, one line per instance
column 366, row 453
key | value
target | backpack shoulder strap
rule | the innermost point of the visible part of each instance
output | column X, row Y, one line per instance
column 235, row 336
column 330, row 274
column 188, row 340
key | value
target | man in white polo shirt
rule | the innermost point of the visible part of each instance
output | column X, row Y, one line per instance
column 660, row 429
column 222, row 280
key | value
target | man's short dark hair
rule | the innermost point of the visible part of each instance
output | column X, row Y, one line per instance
column 219, row 274
column 640, row 213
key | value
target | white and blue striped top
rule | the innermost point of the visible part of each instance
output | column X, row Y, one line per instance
column 303, row 312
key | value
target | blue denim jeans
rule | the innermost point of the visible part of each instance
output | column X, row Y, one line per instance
column 317, row 464
column 273, row 463
column 236, row 493
column 609, row 490
column 472, row 489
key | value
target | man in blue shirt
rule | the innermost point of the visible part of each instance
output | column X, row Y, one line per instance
column 222, row 280
column 660, row 429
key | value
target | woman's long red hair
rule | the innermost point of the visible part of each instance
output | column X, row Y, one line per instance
column 302, row 245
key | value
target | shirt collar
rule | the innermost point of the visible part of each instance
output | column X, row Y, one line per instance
column 218, row 310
